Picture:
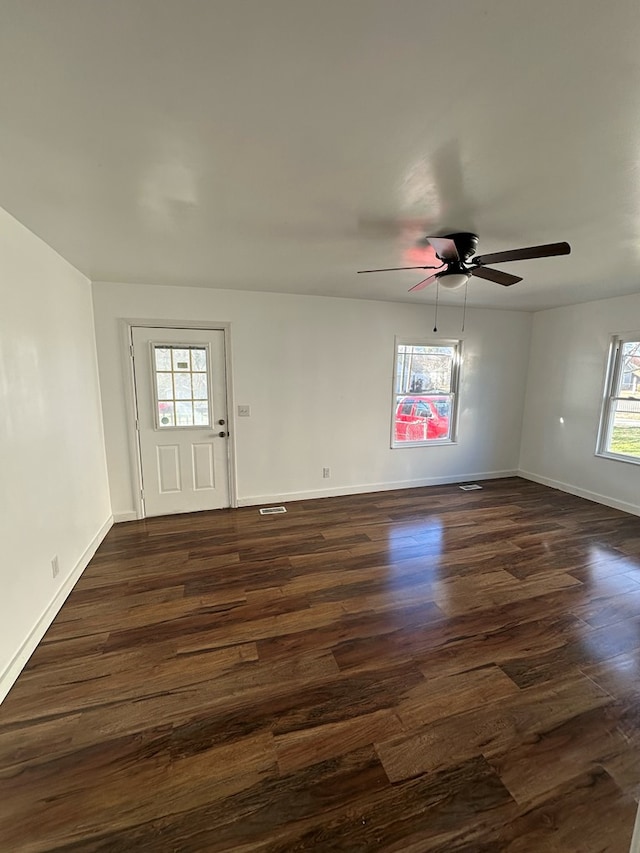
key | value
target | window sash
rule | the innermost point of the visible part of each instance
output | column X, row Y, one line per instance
column 612, row 397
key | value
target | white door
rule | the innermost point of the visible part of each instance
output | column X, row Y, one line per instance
column 182, row 419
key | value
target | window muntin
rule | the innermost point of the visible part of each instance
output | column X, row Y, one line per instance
column 426, row 377
column 181, row 386
column 619, row 435
column 441, row 407
column 423, row 411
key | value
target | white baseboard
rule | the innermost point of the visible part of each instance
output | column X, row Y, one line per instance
column 28, row 646
column 632, row 509
column 119, row 517
column 364, row 488
column 635, row 839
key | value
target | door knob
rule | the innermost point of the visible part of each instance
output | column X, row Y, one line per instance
column 222, row 434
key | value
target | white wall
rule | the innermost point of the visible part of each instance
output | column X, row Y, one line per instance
column 317, row 373
column 566, row 378
column 53, row 484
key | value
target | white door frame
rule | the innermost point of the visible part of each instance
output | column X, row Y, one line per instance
column 135, row 459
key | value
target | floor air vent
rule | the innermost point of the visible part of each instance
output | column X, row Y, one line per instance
column 470, row 488
column 272, row 510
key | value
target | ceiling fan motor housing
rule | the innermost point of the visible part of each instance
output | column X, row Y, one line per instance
column 466, row 244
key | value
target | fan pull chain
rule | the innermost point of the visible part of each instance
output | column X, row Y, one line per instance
column 435, row 319
column 464, row 309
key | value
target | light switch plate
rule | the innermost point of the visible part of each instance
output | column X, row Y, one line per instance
column 244, row 411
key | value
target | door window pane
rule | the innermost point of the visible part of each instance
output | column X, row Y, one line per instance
column 184, row 413
column 198, row 360
column 201, row 413
column 165, row 386
column 199, row 381
column 181, row 359
column 163, row 358
column 181, row 386
column 166, row 414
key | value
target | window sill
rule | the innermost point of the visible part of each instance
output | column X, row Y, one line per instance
column 619, row 457
column 435, row 442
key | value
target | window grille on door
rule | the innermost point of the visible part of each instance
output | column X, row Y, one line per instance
column 181, row 386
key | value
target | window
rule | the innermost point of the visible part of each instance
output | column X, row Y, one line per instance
column 619, row 435
column 181, row 385
column 425, row 393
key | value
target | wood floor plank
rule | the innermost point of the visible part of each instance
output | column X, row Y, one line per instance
column 589, row 815
column 496, row 727
column 224, row 698
column 477, row 592
column 271, row 809
column 429, row 809
column 573, row 749
column 414, row 671
column 437, row 698
column 108, row 684
column 617, row 608
column 588, row 647
column 153, row 785
column 309, row 746
column 441, row 647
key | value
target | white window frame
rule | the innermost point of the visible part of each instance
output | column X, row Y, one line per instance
column 610, row 396
column 454, row 393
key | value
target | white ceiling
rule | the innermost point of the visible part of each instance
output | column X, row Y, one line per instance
column 271, row 144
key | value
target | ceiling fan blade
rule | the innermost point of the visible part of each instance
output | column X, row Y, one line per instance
column 546, row 251
column 445, row 248
column 424, row 283
column 498, row 276
column 393, row 269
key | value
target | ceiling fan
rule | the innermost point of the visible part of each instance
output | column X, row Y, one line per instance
column 458, row 263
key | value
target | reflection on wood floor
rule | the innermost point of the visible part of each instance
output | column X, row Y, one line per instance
column 421, row 670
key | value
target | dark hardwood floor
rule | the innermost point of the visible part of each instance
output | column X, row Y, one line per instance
column 421, row 670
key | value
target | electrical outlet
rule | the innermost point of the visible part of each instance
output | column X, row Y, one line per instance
column 326, row 473
column 244, row 411
column 55, row 566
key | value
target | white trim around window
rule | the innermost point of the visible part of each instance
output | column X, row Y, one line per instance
column 426, row 382
column 619, row 429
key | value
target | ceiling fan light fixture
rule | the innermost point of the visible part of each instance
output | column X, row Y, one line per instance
column 453, row 280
